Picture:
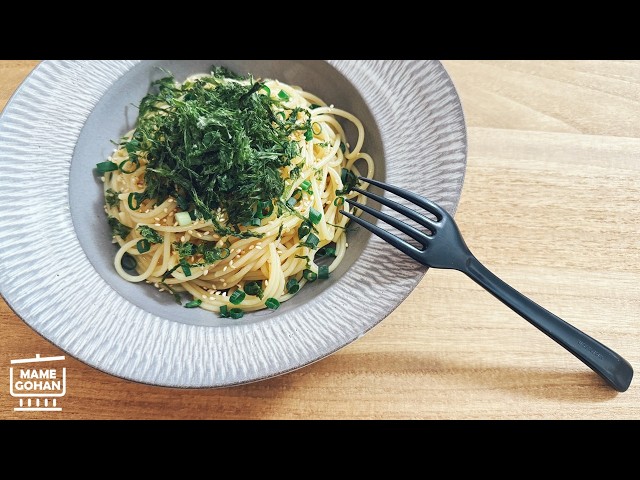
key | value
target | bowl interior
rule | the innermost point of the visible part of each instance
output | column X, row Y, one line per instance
column 115, row 114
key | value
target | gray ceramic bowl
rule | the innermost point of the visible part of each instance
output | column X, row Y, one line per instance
column 59, row 125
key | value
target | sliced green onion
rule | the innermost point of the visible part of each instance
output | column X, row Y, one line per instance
column 308, row 135
column 343, row 147
column 254, row 222
column 294, row 173
column 297, row 194
column 323, row 271
column 183, row 219
column 311, row 241
column 143, row 246
column 292, row 202
column 134, row 197
column 283, row 95
column 339, row 201
column 305, row 185
column 186, row 269
column 237, row 297
column 326, row 252
column 309, row 275
column 266, row 89
column 194, row 303
column 282, row 115
column 304, row 230
column 315, row 216
column 129, row 172
column 313, row 106
column 293, row 286
column 236, row 313
column 254, row 288
column 105, row 167
column 316, row 128
column 264, row 209
column 128, row 262
column 272, row 303
column 224, row 311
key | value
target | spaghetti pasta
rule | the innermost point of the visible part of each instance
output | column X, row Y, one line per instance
column 233, row 255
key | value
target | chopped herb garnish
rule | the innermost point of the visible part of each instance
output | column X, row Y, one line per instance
column 237, row 297
column 294, row 173
column 236, row 313
column 224, row 311
column 349, row 180
column 118, row 229
column 184, row 249
column 215, row 144
column 193, row 303
column 339, row 201
column 211, row 253
column 111, row 197
column 313, row 106
column 293, row 286
column 272, row 303
column 343, row 147
column 150, row 234
column 254, row 288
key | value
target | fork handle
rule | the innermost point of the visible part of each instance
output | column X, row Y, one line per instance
column 601, row 359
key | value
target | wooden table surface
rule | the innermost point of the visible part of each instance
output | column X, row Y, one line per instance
column 551, row 203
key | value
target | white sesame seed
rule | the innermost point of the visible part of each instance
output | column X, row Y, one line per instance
column 157, row 219
column 218, row 293
column 258, row 248
column 190, row 232
column 199, row 234
column 158, row 225
column 225, row 268
column 346, row 245
column 146, row 211
column 102, row 178
column 266, row 283
column 212, row 298
column 166, row 210
column 204, row 296
column 251, row 247
column 170, row 200
column 183, row 238
column 224, row 294
column 206, row 272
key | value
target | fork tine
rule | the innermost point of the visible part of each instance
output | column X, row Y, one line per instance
column 390, row 238
column 428, row 205
column 394, row 222
column 407, row 212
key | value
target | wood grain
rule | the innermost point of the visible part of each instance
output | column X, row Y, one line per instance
column 550, row 203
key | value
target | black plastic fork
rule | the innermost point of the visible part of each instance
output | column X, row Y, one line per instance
column 445, row 248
